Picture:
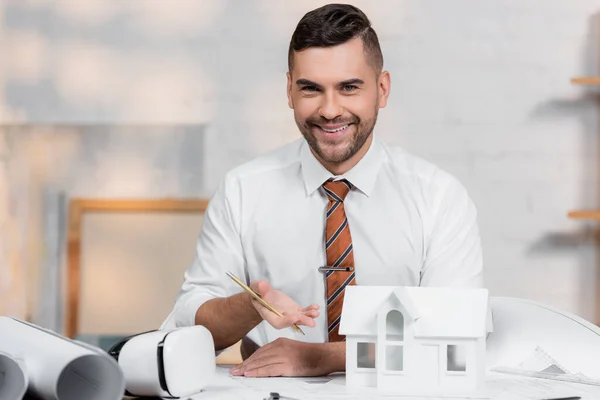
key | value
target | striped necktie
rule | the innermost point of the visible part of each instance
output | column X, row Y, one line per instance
column 338, row 246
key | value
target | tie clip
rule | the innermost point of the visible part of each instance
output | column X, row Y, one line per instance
column 347, row 269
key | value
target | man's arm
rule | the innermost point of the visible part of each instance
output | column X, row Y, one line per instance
column 228, row 319
column 453, row 254
column 210, row 298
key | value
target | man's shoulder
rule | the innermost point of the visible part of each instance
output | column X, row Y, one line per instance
column 409, row 166
column 436, row 186
column 272, row 161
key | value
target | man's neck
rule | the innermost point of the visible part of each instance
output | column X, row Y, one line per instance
column 345, row 166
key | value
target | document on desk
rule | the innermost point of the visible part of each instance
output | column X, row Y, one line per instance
column 240, row 388
column 513, row 387
column 540, row 376
column 499, row 386
column 331, row 387
column 540, row 364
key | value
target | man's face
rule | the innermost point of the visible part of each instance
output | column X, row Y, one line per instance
column 336, row 94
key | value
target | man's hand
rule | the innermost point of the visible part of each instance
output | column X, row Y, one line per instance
column 291, row 311
column 287, row 357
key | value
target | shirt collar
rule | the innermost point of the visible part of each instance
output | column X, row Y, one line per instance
column 362, row 175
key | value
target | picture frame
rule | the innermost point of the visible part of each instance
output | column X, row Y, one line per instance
column 133, row 217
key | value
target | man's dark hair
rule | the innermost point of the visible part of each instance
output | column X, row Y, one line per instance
column 334, row 24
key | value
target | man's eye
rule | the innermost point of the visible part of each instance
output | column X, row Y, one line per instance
column 309, row 89
column 349, row 88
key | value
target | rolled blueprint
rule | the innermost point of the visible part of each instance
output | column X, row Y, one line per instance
column 59, row 368
column 13, row 378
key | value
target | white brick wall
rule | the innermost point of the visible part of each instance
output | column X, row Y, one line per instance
column 479, row 87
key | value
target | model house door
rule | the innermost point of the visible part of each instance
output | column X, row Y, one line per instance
column 430, row 365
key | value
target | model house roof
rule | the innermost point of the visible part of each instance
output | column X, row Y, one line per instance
column 436, row 312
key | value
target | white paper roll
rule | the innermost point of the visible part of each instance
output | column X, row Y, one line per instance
column 60, row 368
column 13, row 377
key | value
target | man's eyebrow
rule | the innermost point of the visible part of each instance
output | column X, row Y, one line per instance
column 306, row 82
column 353, row 81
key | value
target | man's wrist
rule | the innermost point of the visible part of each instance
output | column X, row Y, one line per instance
column 327, row 358
column 253, row 312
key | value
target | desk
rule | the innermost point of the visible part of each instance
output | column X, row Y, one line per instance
column 519, row 327
column 500, row 387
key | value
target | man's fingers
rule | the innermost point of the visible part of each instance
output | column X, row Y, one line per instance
column 289, row 319
column 273, row 359
column 304, row 317
column 260, row 362
column 277, row 369
column 280, row 322
column 260, row 355
column 311, row 313
column 301, row 319
column 311, row 307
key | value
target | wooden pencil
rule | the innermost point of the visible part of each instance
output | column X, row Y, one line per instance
column 260, row 299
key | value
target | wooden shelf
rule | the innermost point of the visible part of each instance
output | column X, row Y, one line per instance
column 585, row 214
column 590, row 81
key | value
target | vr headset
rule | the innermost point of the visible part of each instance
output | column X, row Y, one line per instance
column 168, row 363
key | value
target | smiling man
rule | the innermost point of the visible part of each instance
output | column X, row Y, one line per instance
column 337, row 207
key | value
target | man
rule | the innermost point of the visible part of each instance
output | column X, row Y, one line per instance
column 338, row 198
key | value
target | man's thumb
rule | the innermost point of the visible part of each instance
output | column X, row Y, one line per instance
column 261, row 287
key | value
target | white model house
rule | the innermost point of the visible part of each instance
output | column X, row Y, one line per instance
column 416, row 340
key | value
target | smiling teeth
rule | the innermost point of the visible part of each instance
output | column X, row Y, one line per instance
column 335, row 130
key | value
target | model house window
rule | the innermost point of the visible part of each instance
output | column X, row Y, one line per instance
column 457, row 358
column 394, row 343
column 365, row 355
column 394, row 358
column 394, row 323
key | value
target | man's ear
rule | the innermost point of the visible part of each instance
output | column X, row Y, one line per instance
column 289, row 90
column 383, row 88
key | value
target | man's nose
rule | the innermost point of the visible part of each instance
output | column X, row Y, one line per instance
column 331, row 107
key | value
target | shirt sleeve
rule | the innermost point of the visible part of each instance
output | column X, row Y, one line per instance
column 218, row 250
column 453, row 252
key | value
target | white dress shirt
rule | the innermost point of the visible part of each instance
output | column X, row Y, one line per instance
column 411, row 223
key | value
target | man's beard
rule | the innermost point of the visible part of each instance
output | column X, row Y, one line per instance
column 362, row 131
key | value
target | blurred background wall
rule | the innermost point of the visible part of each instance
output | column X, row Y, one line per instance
column 156, row 98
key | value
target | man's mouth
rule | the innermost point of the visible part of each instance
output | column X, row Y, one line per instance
column 333, row 131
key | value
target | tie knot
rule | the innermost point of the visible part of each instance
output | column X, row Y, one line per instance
column 337, row 190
